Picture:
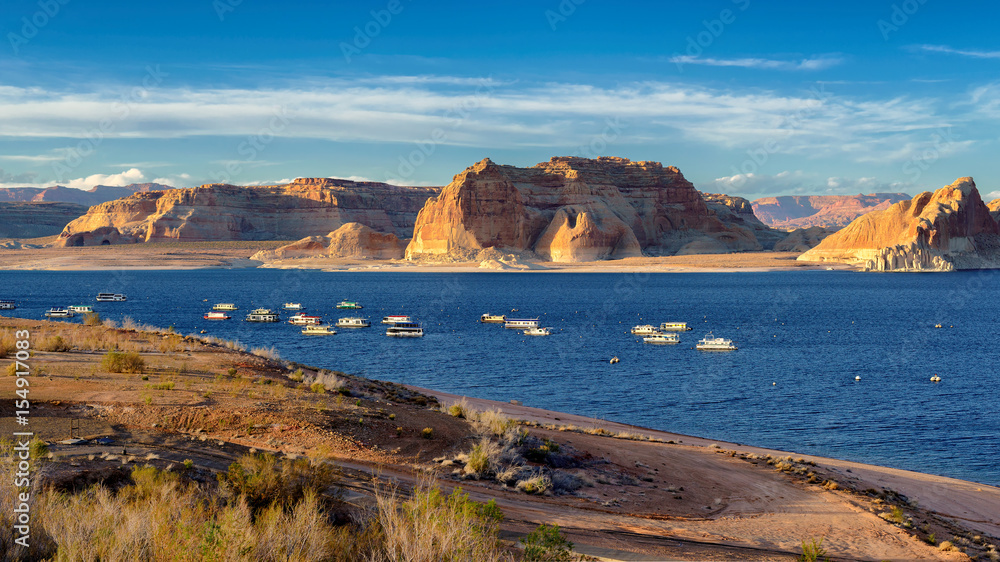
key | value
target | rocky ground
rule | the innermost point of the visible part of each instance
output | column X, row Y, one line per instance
column 619, row 492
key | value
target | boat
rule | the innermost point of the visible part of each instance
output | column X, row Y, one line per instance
column 302, row 320
column 538, row 332
column 493, row 319
column 292, row 306
column 216, row 316
column 225, row 306
column 80, row 308
column 712, row 343
column 316, row 330
column 520, row 323
column 645, row 330
column 349, row 305
column 675, row 326
column 353, row 322
column 396, row 319
column 58, row 312
column 7, row 305
column 661, row 338
column 405, row 330
column 262, row 315
column 111, row 297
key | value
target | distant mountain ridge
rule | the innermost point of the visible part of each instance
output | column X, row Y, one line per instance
column 61, row 194
column 829, row 211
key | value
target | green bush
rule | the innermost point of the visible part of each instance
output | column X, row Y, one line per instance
column 427, row 433
column 813, row 551
column 123, row 362
column 263, row 480
column 317, row 387
column 55, row 343
column 546, row 544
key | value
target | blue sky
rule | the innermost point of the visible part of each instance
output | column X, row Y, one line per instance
column 745, row 97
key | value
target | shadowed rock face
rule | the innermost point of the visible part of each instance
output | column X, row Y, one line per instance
column 949, row 229
column 305, row 207
column 572, row 209
column 33, row 220
column 829, row 211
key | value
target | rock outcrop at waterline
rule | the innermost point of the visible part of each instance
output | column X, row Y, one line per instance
column 948, row 229
column 574, row 209
column 305, row 207
column 353, row 240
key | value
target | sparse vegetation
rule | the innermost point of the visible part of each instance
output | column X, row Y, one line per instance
column 317, row 387
column 92, row 319
column 54, row 343
column 547, row 544
column 123, row 362
column 267, row 353
column 813, row 551
column 427, row 433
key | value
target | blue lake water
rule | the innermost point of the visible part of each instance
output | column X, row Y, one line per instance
column 803, row 338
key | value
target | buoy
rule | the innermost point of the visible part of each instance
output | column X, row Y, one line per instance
column 614, row 360
column 935, row 378
column 857, row 378
column 774, row 384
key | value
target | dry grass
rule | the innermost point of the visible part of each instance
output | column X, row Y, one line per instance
column 267, row 353
column 123, row 362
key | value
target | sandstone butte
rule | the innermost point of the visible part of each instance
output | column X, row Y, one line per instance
column 577, row 209
column 353, row 240
column 828, row 211
column 948, row 229
column 305, row 207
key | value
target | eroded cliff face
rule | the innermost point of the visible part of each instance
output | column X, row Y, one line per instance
column 948, row 229
column 305, row 207
column 829, row 211
column 573, row 209
column 352, row 240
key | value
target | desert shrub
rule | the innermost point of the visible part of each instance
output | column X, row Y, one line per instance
column 54, row 343
column 427, row 433
column 946, row 546
column 565, row 482
column 490, row 422
column 541, row 453
column 92, row 319
column 813, row 551
column 262, row 479
column 169, row 385
column 267, row 353
column 547, row 544
column 7, row 344
column 123, row 362
column 459, row 409
column 537, row 484
column 297, row 376
column 317, row 387
column 482, row 458
column 12, row 370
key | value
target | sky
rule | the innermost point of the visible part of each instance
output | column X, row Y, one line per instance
column 746, row 97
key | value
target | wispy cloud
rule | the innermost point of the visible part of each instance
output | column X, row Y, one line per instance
column 820, row 63
column 974, row 53
column 123, row 178
column 797, row 182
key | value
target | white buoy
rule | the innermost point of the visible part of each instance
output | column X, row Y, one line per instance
column 774, row 384
column 857, row 378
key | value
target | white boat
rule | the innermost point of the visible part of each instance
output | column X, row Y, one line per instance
column 303, row 320
column 315, row 330
column 492, row 319
column 225, row 306
column 645, row 330
column 349, row 305
column 353, row 322
column 662, row 338
column 712, row 343
column 537, row 332
column 58, row 312
column 80, row 308
column 675, row 326
column 216, row 316
column 405, row 330
column 262, row 315
column 520, row 323
column 7, row 305
column 292, row 306
column 396, row 319
column 111, row 297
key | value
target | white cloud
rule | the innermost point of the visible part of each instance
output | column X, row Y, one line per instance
column 973, row 53
column 762, row 64
column 132, row 175
column 797, row 182
column 991, row 196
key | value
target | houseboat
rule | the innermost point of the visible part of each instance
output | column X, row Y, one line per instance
column 675, row 327
column 405, row 330
column 303, row 320
column 396, row 319
column 644, row 330
column 216, row 316
column 662, row 338
column 349, row 305
column 228, row 306
column 292, row 306
column 712, row 343
column 262, row 315
column 353, row 322
column 7, row 305
column 316, row 330
column 58, row 312
column 537, row 332
column 520, row 323
column 492, row 319
column 111, row 297
column 81, row 308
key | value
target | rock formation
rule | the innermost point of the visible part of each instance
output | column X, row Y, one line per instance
column 994, row 207
column 737, row 211
column 33, row 220
column 949, row 229
column 90, row 197
column 305, row 207
column 802, row 239
column 573, row 209
column 353, row 240
column 828, row 211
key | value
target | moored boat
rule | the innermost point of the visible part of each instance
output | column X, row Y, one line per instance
column 7, row 305
column 316, row 330
column 349, row 305
column 492, row 318
column 661, row 338
column 292, row 306
column 537, row 332
column 111, row 297
column 405, row 330
column 216, row 316
column 712, row 343
column 353, row 322
column 645, row 330
column 396, row 319
column 303, row 320
column 675, row 326
column 80, row 308
column 58, row 312
column 262, row 315
column 224, row 306
column 520, row 323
